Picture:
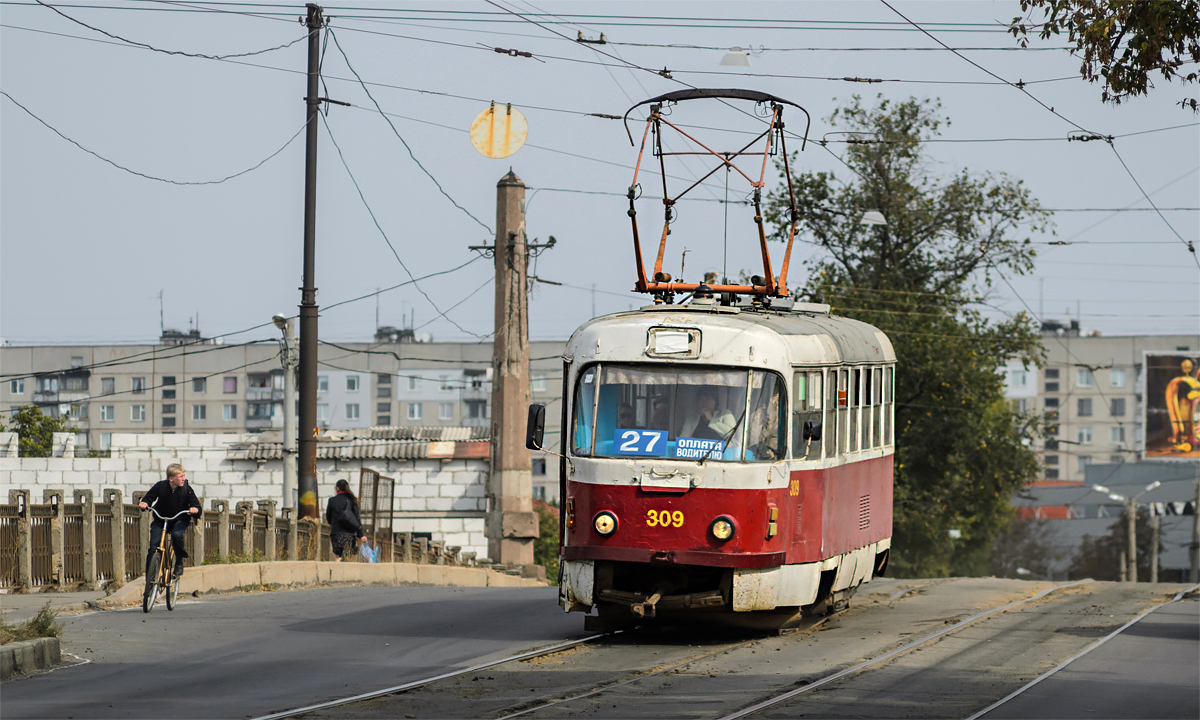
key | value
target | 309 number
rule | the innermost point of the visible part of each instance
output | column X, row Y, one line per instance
column 664, row 518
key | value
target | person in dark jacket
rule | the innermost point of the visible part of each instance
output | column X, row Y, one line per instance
column 170, row 497
column 344, row 524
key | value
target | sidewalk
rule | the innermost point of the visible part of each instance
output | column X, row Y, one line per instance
column 16, row 608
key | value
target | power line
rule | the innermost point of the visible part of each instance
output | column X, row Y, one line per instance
column 383, row 233
column 133, row 359
column 169, row 52
column 144, row 175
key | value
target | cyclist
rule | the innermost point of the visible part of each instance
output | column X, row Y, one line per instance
column 170, row 497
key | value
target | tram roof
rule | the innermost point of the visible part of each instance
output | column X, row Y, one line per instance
column 839, row 339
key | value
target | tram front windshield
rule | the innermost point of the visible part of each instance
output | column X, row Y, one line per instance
column 679, row 413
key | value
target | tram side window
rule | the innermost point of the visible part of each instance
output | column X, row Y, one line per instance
column 846, row 400
column 832, row 428
column 585, row 401
column 877, row 408
column 767, row 428
column 808, row 409
column 889, row 399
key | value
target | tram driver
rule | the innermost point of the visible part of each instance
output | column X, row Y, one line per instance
column 708, row 422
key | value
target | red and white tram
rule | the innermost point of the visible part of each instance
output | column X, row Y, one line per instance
column 729, row 457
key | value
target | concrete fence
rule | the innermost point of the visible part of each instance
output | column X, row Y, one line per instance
column 91, row 543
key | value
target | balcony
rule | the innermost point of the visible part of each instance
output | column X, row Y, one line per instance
column 257, row 424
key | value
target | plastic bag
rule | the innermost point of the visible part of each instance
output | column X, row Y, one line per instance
column 368, row 553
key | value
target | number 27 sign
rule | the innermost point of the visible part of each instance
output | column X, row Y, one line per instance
column 641, row 442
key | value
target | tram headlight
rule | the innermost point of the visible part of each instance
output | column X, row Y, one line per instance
column 605, row 523
column 722, row 528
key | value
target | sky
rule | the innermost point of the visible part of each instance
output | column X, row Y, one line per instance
column 86, row 247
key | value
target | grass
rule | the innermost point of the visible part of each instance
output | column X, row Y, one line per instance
column 39, row 626
column 234, row 558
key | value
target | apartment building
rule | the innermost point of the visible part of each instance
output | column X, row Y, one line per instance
column 187, row 384
column 1091, row 393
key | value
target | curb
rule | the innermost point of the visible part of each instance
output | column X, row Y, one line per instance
column 219, row 578
column 20, row 658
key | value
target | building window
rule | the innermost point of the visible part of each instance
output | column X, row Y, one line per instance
column 1083, row 377
column 263, row 410
column 1116, row 377
column 1051, row 459
column 1118, row 434
column 322, row 383
column 475, row 378
column 1083, row 407
column 1118, row 407
column 384, row 407
column 383, row 391
column 351, row 383
column 1051, row 473
column 1084, row 436
column 105, row 441
column 1051, row 387
column 168, row 380
column 46, row 385
column 385, row 419
column 539, row 466
column 1082, row 462
column 414, row 411
column 108, row 413
column 383, row 379
column 137, row 413
column 77, row 361
column 168, row 393
column 537, row 382
column 1051, row 445
column 351, row 411
column 1017, row 378
column 168, row 408
column 199, row 384
column 445, row 383
column 108, row 386
column 138, row 385
column 1051, row 402
column 16, row 387
column 229, row 411
column 476, row 408
column 1051, row 373
column 230, row 384
column 445, row 411
column 79, row 411
column 199, row 412
column 323, row 412
column 168, row 422
column 414, row 383
column 1019, row 405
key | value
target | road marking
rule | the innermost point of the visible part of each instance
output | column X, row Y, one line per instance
column 1078, row 655
column 904, row 648
column 426, row 681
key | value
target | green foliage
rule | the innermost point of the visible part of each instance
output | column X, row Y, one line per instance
column 36, row 431
column 1100, row 558
column 214, row 558
column 39, row 626
column 1121, row 43
column 545, row 548
column 961, row 451
column 1027, row 544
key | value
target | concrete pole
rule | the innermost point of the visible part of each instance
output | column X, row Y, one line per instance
column 512, row 525
column 1131, row 547
column 116, row 507
column 20, row 498
column 1154, row 524
column 1124, row 566
column 85, row 498
column 290, row 358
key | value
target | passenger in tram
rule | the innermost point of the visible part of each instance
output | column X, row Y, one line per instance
column 626, row 416
column 660, row 419
column 708, row 422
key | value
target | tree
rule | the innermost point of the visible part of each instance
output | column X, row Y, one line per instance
column 1123, row 42
column 1030, row 545
column 1099, row 558
column 545, row 547
column 961, row 451
column 36, row 431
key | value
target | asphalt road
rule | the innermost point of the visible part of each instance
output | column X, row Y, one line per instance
column 248, row 655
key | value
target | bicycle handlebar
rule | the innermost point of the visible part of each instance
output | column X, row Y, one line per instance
column 167, row 519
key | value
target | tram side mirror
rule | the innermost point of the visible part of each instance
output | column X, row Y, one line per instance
column 812, row 429
column 535, row 430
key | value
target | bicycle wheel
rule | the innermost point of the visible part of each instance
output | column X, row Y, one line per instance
column 153, row 570
column 173, row 593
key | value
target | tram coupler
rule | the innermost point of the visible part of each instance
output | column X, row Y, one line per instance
column 646, row 609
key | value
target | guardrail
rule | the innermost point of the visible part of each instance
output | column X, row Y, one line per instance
column 85, row 544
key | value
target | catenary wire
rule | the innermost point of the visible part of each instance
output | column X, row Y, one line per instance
column 144, row 175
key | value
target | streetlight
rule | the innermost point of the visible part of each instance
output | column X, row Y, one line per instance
column 289, row 358
column 1131, row 528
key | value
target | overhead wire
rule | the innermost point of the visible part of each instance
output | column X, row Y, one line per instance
column 147, row 176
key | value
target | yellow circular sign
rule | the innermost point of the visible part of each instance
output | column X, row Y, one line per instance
column 499, row 131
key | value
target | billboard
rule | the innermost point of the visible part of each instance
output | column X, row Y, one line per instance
column 1172, row 405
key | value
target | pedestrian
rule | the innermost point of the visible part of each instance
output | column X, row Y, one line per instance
column 170, row 497
column 344, row 524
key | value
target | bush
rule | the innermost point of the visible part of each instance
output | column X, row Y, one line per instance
column 40, row 625
column 545, row 548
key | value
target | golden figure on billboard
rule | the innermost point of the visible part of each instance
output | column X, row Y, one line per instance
column 1172, row 406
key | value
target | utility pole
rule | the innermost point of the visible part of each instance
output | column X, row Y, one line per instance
column 512, row 526
column 308, row 292
column 1154, row 525
column 1131, row 547
column 288, row 326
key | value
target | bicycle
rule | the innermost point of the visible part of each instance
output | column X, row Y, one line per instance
column 159, row 572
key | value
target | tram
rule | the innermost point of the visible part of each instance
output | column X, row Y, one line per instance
column 728, row 457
